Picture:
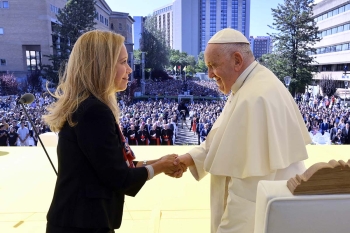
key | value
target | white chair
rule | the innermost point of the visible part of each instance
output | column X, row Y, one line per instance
column 327, row 134
column 321, row 140
column 279, row 211
column 322, row 207
column 318, row 134
column 48, row 139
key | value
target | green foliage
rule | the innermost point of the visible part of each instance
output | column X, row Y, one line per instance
column 179, row 59
column 295, row 37
column 155, row 46
column 137, row 55
column 76, row 18
column 276, row 63
column 201, row 67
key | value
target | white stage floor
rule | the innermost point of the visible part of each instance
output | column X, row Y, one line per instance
column 164, row 205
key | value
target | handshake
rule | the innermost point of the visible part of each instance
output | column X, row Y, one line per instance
column 172, row 165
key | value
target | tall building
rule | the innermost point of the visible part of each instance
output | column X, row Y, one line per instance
column 186, row 26
column 260, row 45
column 333, row 51
column 196, row 21
column 137, row 30
column 26, row 32
column 216, row 15
column 164, row 17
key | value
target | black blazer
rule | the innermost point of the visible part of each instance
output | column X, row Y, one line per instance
column 345, row 136
column 92, row 174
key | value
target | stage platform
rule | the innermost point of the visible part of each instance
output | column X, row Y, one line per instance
column 164, row 205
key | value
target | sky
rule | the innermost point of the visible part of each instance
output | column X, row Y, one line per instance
column 260, row 11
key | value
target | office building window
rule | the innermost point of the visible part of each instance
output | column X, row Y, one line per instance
column 223, row 14
column 333, row 48
column 5, row 4
column 33, row 60
column 2, row 62
column 1, row 31
column 332, row 13
column 54, row 9
column 212, row 17
column 334, row 30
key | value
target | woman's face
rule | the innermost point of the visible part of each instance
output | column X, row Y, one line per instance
column 123, row 70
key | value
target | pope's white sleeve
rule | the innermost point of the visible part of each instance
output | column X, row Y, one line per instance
column 198, row 155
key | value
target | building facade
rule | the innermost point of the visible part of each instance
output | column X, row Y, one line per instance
column 260, row 45
column 333, row 51
column 216, row 15
column 121, row 23
column 196, row 21
column 103, row 12
column 26, row 32
column 186, row 26
column 138, row 26
column 164, row 17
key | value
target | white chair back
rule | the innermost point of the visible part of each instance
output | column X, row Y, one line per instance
column 321, row 140
column 316, row 201
column 327, row 134
column 278, row 210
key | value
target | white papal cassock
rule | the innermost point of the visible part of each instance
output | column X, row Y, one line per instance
column 260, row 135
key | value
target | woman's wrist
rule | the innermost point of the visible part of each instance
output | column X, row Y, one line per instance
column 150, row 171
column 146, row 162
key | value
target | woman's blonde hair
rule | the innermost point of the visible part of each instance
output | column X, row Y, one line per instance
column 90, row 70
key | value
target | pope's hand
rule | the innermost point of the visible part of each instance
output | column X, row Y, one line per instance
column 169, row 163
column 181, row 168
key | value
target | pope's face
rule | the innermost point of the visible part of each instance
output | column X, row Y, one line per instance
column 220, row 67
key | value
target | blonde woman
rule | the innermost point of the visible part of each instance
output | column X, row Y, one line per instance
column 96, row 168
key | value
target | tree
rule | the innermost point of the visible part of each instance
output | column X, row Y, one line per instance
column 276, row 63
column 75, row 18
column 154, row 45
column 201, row 67
column 328, row 85
column 137, row 56
column 182, row 59
column 191, row 67
column 178, row 58
column 296, row 36
column 34, row 82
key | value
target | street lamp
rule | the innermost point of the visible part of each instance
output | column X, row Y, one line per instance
column 287, row 81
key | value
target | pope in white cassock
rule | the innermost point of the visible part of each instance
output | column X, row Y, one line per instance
column 260, row 135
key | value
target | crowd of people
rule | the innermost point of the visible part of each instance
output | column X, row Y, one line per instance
column 156, row 122
column 172, row 87
column 15, row 127
column 323, row 114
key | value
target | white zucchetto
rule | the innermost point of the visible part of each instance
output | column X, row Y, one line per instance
column 227, row 36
